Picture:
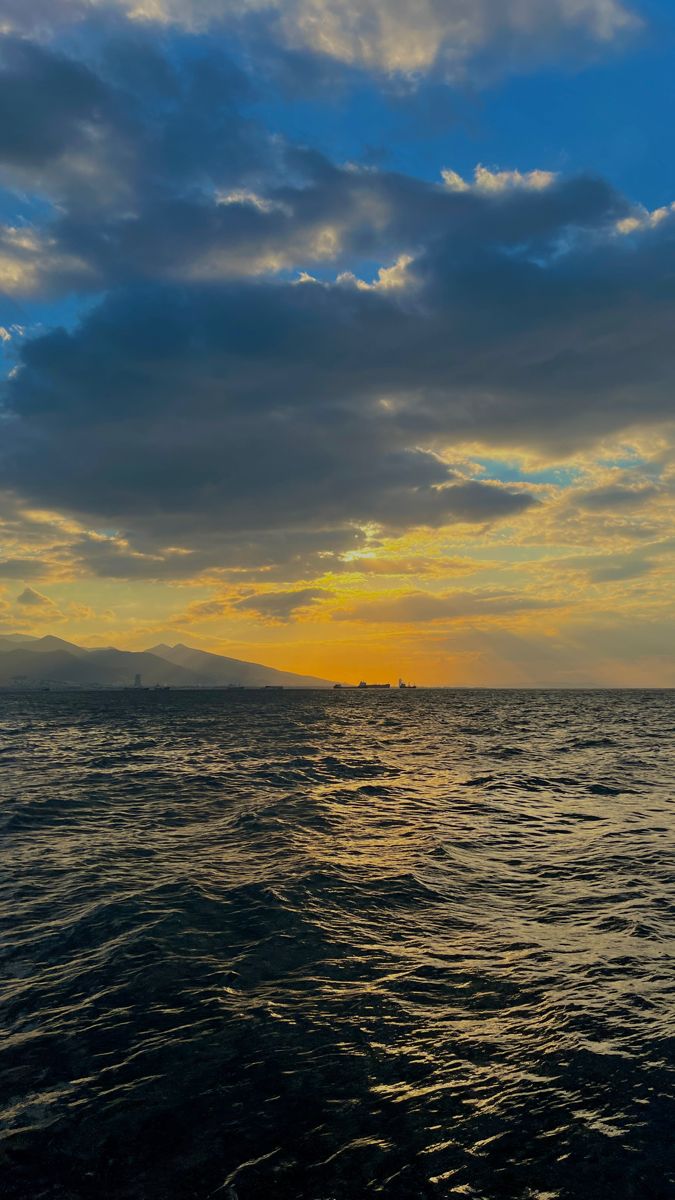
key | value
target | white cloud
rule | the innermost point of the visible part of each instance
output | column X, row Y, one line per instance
column 388, row 279
column 29, row 259
column 488, row 181
column 645, row 220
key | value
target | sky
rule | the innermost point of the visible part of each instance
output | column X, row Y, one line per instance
column 339, row 334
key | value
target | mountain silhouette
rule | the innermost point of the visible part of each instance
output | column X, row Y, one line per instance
column 224, row 671
column 51, row 661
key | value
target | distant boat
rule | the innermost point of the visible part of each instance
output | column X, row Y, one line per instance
column 363, row 684
column 402, row 684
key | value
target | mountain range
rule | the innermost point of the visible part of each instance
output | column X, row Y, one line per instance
column 50, row 661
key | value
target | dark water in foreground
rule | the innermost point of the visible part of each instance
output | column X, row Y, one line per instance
column 333, row 946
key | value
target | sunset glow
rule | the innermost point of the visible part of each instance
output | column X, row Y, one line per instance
column 285, row 396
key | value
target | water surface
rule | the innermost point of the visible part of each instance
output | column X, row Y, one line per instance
column 328, row 946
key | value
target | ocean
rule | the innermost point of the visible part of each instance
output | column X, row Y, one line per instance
column 337, row 945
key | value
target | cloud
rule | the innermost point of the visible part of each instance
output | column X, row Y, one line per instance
column 281, row 606
column 204, row 610
column 257, row 406
column 39, row 606
column 394, row 36
column 390, row 37
column 49, row 104
column 418, row 565
column 149, row 169
column 21, row 568
column 33, row 263
column 112, row 557
column 609, row 568
column 273, row 607
column 608, row 650
column 153, row 171
column 169, row 180
column 32, row 599
column 488, row 181
column 414, row 607
column 134, row 126
column 618, row 568
column 264, row 554
column 184, row 409
column 217, row 408
column 649, row 555
column 615, row 498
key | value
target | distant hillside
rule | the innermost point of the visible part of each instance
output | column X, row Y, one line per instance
column 49, row 644
column 9, row 640
column 51, row 661
column 122, row 666
column 221, row 671
column 94, row 668
column 19, row 665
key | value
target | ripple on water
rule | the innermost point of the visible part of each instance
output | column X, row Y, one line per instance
column 323, row 946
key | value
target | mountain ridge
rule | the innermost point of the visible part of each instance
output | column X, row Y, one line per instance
column 50, row 661
column 238, row 671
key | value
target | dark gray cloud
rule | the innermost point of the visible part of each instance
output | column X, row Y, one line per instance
column 618, row 568
column 265, row 555
column 203, row 407
column 258, row 406
column 29, row 598
column 615, row 498
column 157, row 171
column 248, row 408
column 21, row 568
column 612, row 568
column 158, row 174
column 126, row 130
column 329, row 215
column 49, row 104
column 281, row 606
